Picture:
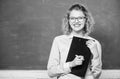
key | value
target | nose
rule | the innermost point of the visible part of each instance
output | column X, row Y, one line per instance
column 76, row 20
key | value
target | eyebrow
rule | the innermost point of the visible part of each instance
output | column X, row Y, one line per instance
column 78, row 16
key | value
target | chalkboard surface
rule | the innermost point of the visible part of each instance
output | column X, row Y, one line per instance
column 27, row 29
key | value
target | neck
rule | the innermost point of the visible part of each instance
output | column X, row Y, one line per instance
column 80, row 34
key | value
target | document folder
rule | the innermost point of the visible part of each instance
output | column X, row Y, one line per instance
column 79, row 47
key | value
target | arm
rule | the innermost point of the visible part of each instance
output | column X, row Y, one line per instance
column 55, row 68
column 96, row 65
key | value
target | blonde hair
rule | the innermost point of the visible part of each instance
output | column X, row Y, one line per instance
column 88, row 23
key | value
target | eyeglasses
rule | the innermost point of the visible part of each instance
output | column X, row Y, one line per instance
column 77, row 18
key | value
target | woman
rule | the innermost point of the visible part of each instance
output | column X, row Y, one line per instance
column 79, row 23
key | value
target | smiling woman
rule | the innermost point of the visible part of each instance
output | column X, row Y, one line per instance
column 75, row 52
column 77, row 20
column 78, row 16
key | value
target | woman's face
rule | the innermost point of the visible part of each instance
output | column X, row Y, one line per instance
column 77, row 20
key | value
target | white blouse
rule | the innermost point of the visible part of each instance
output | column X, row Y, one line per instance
column 58, row 67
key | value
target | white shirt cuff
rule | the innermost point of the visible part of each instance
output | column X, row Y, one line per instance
column 67, row 67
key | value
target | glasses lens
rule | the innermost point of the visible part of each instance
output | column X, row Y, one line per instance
column 77, row 18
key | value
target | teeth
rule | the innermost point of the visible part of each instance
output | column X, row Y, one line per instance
column 77, row 24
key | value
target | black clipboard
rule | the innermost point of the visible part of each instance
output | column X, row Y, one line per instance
column 79, row 47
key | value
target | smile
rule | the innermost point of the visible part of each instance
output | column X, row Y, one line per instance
column 77, row 25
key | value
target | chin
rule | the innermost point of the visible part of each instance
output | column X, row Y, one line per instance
column 77, row 29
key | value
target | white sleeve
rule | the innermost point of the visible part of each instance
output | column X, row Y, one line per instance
column 54, row 67
column 96, row 63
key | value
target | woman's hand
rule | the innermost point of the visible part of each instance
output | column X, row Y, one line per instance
column 91, row 44
column 78, row 60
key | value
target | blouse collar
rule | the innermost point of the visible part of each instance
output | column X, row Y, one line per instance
column 70, row 36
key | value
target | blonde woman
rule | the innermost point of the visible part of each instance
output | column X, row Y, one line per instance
column 78, row 22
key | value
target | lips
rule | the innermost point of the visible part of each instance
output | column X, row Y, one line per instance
column 77, row 25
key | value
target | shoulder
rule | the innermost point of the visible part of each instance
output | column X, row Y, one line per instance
column 96, row 41
column 60, row 37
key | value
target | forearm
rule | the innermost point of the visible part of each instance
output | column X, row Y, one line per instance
column 55, row 66
column 57, row 70
column 96, row 62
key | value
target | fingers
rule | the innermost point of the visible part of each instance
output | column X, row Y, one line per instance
column 79, row 57
column 90, row 43
column 78, row 60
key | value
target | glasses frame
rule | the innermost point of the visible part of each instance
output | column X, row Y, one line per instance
column 77, row 18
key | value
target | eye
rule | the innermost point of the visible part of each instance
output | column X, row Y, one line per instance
column 72, row 18
column 80, row 18
column 77, row 18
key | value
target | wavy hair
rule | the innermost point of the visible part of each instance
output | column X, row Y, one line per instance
column 88, row 27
